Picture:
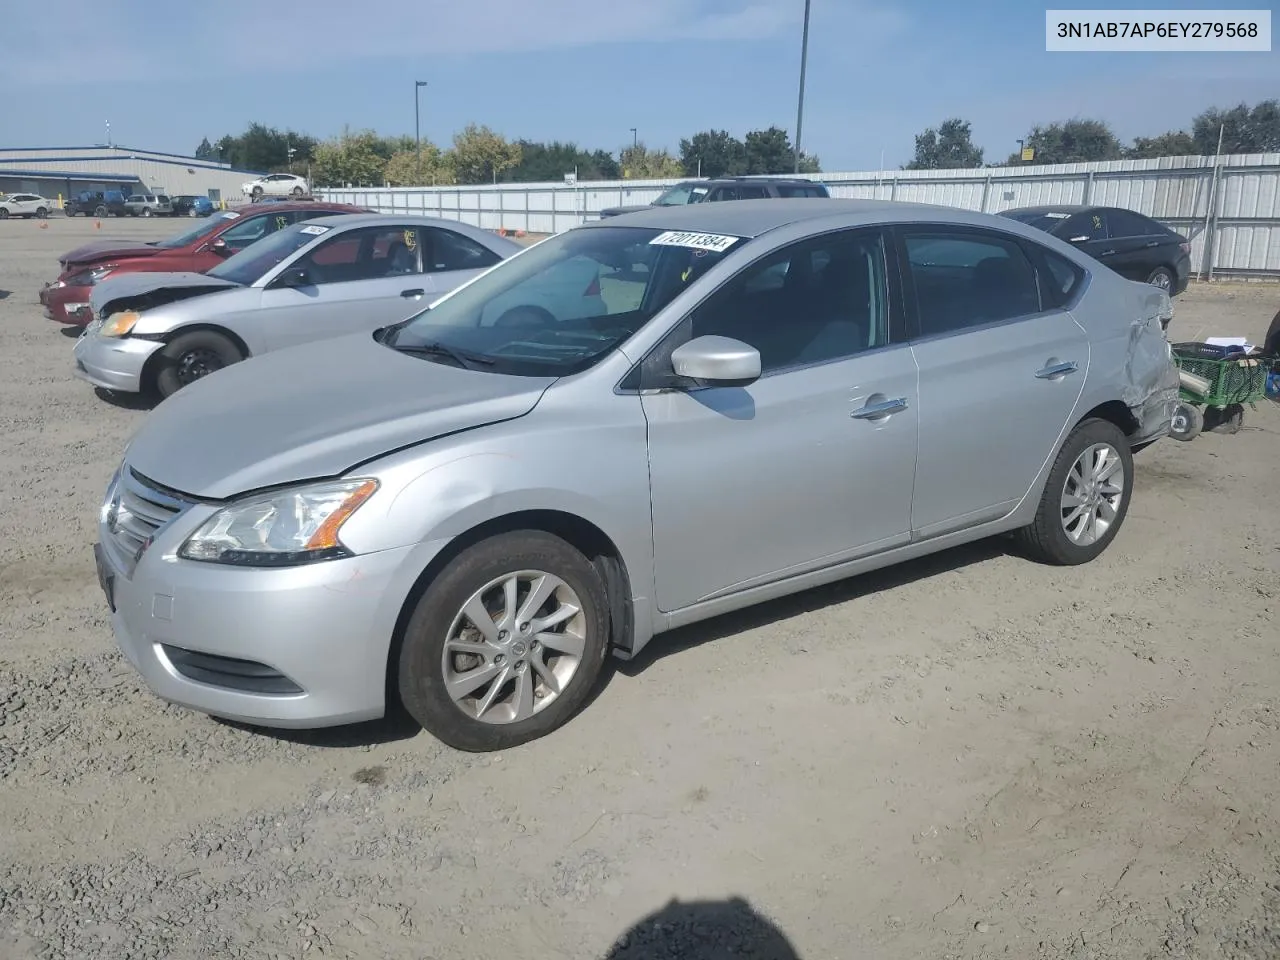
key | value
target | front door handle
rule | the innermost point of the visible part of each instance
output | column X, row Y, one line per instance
column 1106, row 253
column 1056, row 371
column 1153, row 243
column 881, row 410
column 412, row 294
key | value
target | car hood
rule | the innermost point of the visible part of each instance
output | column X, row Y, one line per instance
column 151, row 289
column 619, row 211
column 106, row 249
column 314, row 411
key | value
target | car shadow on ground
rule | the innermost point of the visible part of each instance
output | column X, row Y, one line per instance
column 398, row 725
column 703, row 930
column 71, row 332
column 4, row 294
column 808, row 601
column 126, row 401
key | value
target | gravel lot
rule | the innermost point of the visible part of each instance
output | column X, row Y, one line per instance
column 971, row 756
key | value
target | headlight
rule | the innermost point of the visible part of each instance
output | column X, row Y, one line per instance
column 280, row 529
column 87, row 278
column 119, row 324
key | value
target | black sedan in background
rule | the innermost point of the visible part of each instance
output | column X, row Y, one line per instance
column 1133, row 245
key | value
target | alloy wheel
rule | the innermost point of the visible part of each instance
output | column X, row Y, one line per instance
column 1092, row 494
column 514, row 647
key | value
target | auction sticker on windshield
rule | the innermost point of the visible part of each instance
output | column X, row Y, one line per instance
column 715, row 242
column 313, row 229
column 230, row 215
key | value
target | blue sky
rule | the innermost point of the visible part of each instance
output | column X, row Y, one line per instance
column 589, row 70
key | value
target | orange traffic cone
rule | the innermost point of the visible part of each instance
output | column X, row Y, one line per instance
column 97, row 224
column 44, row 225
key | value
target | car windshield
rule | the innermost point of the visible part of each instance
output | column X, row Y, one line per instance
column 1048, row 221
column 564, row 304
column 253, row 261
column 681, row 194
column 202, row 229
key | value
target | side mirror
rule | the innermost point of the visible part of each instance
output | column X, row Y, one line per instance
column 293, row 277
column 718, row 361
column 220, row 247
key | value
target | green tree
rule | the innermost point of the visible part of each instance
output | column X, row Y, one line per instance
column 1175, row 143
column 404, row 169
column 950, row 147
column 714, row 153
column 1244, row 129
column 351, row 158
column 638, row 162
column 604, row 162
column 206, row 151
column 480, row 155
column 264, row 148
column 1074, row 141
column 769, row 151
column 545, row 162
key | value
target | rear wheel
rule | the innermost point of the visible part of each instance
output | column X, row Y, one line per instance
column 257, row 193
column 146, row 211
column 42, row 212
column 298, row 191
column 191, row 212
column 1086, row 497
column 100, row 211
column 4, row 213
column 191, row 357
column 506, row 644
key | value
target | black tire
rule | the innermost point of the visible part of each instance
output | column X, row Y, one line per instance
column 42, row 213
column 191, row 212
column 257, row 194
column 1162, row 277
column 1045, row 538
column 100, row 212
column 146, row 211
column 420, row 669
column 1188, row 421
column 1228, row 419
column 298, row 191
column 4, row 213
column 191, row 356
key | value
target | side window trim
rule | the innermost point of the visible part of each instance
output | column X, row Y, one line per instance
column 648, row 373
column 913, row 328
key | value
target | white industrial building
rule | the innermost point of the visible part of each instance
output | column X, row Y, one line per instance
column 61, row 171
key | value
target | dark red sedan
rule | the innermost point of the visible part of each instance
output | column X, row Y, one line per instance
column 196, row 250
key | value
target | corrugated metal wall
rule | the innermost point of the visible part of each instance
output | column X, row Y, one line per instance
column 162, row 172
column 1244, row 231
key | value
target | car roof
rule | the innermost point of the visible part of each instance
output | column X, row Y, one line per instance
column 752, row 218
column 1052, row 208
column 285, row 206
column 352, row 220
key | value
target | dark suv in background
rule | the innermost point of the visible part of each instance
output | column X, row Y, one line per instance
column 728, row 188
column 1133, row 245
column 96, row 203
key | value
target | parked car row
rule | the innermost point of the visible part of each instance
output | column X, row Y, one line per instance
column 408, row 462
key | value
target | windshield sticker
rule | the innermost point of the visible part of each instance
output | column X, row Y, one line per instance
column 1057, row 216
column 314, row 229
column 281, row 222
column 230, row 215
column 699, row 241
column 411, row 238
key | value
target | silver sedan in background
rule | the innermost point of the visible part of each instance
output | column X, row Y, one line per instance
column 158, row 332
column 472, row 507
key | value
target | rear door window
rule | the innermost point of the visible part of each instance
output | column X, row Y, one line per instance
column 448, row 250
column 368, row 254
column 1086, row 226
column 1126, row 223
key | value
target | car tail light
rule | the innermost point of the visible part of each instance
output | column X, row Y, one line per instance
column 593, row 288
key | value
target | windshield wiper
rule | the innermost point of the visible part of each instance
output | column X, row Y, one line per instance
column 468, row 361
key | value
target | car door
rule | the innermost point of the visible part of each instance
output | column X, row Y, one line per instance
column 812, row 463
column 1137, row 243
column 358, row 280
column 1089, row 232
column 1001, row 371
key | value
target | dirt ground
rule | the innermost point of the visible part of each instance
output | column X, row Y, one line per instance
column 967, row 757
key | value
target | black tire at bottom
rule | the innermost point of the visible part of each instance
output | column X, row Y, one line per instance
column 420, row 674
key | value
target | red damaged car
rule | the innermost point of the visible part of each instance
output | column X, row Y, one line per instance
column 196, row 250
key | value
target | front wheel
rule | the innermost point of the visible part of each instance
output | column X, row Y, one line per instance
column 1085, row 499
column 1187, row 422
column 506, row 644
column 257, row 193
column 191, row 357
column 1161, row 277
column 192, row 212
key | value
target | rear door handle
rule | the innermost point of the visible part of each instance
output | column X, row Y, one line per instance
column 1056, row 371
column 1153, row 243
column 878, row 411
column 1106, row 253
column 409, row 294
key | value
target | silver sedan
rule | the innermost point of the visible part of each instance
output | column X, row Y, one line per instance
column 472, row 507
column 158, row 332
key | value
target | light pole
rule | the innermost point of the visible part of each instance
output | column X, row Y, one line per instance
column 635, row 138
column 804, row 61
column 417, row 122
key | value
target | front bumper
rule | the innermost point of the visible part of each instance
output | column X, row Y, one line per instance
column 114, row 363
column 67, row 304
column 322, row 630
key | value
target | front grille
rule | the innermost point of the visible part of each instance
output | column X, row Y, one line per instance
column 247, row 676
column 135, row 513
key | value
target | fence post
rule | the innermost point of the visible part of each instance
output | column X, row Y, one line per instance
column 986, row 191
column 893, row 189
column 1088, row 188
column 1210, row 225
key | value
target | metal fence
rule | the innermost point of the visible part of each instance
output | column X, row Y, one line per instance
column 1229, row 206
